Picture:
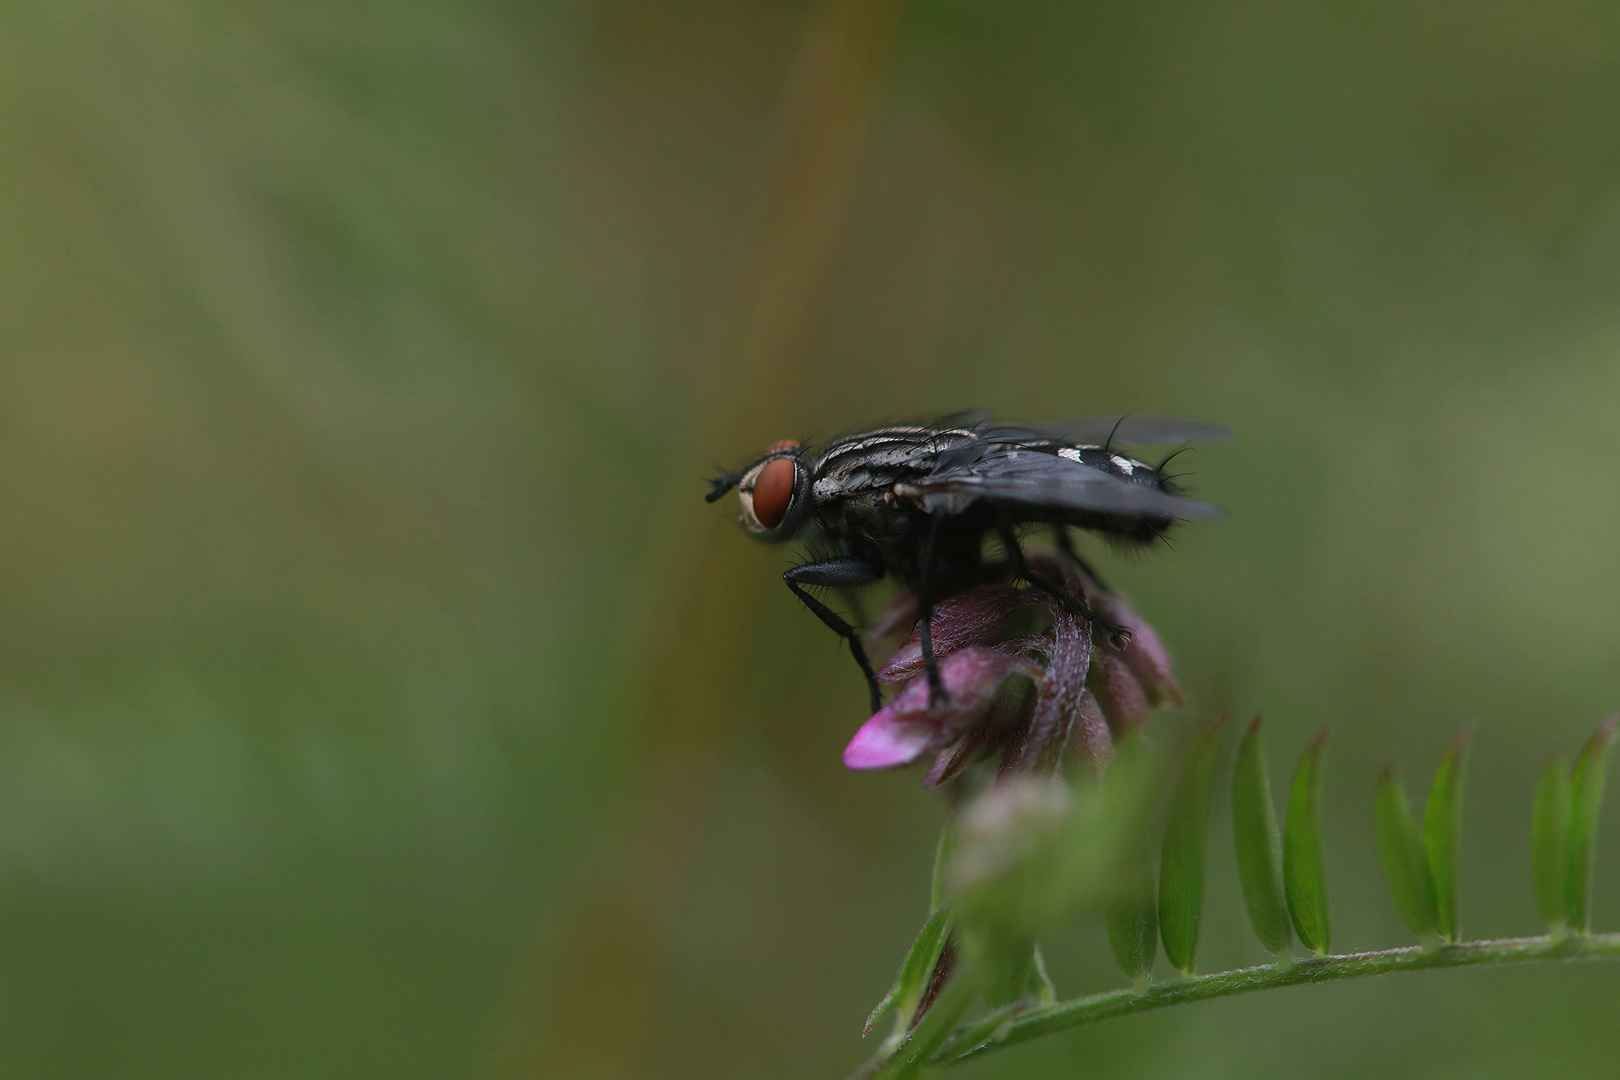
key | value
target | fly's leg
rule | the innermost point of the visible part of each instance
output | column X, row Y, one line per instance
column 1117, row 634
column 937, row 697
column 1065, row 544
column 842, row 572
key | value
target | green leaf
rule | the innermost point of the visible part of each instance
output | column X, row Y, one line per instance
column 1007, row 972
column 1304, row 873
column 918, row 965
column 1181, row 865
column 1406, row 864
column 1133, row 920
column 1442, row 828
column 1549, row 844
column 1259, row 844
column 1586, row 797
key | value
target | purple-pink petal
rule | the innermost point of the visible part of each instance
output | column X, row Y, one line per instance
column 1124, row 701
column 975, row 617
column 905, row 729
column 1145, row 654
column 884, row 742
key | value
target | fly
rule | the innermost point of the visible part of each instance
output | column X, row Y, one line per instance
column 917, row 502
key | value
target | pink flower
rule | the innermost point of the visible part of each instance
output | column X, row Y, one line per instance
column 904, row 729
column 1075, row 691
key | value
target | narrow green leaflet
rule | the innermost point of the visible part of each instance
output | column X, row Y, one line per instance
column 1549, row 844
column 1586, row 797
column 919, row 963
column 1259, row 845
column 1304, row 874
column 1133, row 920
column 1406, row 864
column 1442, row 828
column 1181, row 865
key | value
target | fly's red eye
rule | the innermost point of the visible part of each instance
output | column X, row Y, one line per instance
column 772, row 492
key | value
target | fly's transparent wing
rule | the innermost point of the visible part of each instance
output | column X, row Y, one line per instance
column 1042, row 479
column 1124, row 431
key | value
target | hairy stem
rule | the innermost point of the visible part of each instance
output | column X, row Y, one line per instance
column 1017, row 1024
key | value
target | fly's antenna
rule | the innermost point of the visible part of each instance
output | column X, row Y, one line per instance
column 722, row 484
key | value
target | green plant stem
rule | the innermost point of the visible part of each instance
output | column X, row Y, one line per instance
column 1015, row 1025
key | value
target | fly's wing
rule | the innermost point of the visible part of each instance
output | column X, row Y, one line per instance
column 1122, row 431
column 1037, row 478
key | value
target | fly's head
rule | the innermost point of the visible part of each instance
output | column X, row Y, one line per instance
column 774, row 492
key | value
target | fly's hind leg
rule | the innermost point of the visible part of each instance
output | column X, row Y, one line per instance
column 841, row 572
column 1065, row 545
column 1118, row 635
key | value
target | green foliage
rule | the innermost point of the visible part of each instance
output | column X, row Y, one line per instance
column 1304, row 874
column 1586, row 798
column 1442, row 828
column 1132, row 918
column 1549, row 844
column 1007, row 973
column 1259, row 844
column 918, row 965
column 1406, row 863
column 1283, row 878
column 1181, row 866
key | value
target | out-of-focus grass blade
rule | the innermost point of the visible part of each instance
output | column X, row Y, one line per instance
column 1442, row 828
column 1259, row 844
column 1585, row 798
column 1406, row 864
column 1549, row 844
column 918, row 965
column 1133, row 920
column 1181, row 865
column 1304, row 873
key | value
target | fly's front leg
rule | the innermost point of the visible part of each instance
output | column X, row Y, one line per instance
column 842, row 572
column 1118, row 635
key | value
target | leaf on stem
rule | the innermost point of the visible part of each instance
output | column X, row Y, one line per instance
column 1406, row 864
column 1181, row 866
column 1133, row 920
column 1442, row 829
column 1304, row 873
column 1549, row 844
column 907, row 991
column 1586, row 797
column 1259, row 844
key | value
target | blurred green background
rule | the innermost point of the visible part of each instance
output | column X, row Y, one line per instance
column 378, row 698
